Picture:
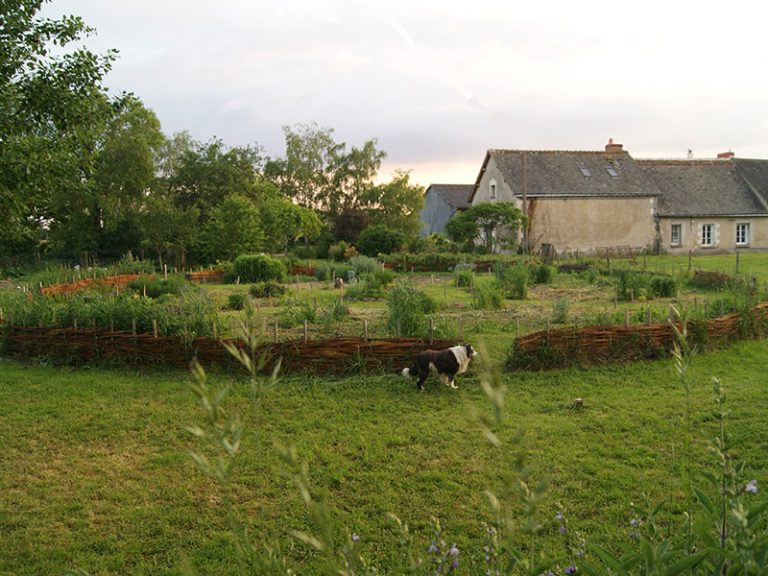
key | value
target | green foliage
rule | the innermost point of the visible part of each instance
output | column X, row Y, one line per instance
column 464, row 274
column 54, row 112
column 395, row 205
column 328, row 271
column 267, row 289
column 341, row 251
column 705, row 280
column 259, row 268
column 493, row 226
column 560, row 311
column 513, row 280
column 488, row 296
column 663, row 286
column 430, row 244
column 541, row 274
column 234, row 228
column 364, row 265
column 156, row 287
column 438, row 262
column 408, row 308
column 332, row 311
column 631, row 285
column 189, row 312
column 295, row 312
column 236, row 301
column 379, row 239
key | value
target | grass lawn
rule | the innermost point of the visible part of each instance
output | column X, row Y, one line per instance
column 95, row 472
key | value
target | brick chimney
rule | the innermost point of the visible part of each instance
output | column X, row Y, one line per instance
column 725, row 155
column 612, row 148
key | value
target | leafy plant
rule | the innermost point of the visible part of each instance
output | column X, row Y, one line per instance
column 267, row 289
column 259, row 268
column 407, row 309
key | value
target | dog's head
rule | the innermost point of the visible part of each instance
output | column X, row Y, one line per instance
column 471, row 352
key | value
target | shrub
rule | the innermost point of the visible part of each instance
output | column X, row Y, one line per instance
column 542, row 274
column 631, row 285
column 512, row 279
column 379, row 239
column 488, row 296
column 236, row 301
column 710, row 280
column 294, row 312
column 259, row 268
column 156, row 287
column 268, row 289
column 328, row 270
column 560, row 311
column 663, row 286
column 334, row 311
column 464, row 275
column 341, row 251
column 364, row 265
column 408, row 307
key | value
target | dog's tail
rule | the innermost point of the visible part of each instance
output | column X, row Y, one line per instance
column 407, row 372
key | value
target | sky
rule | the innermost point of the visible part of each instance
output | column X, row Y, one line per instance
column 439, row 82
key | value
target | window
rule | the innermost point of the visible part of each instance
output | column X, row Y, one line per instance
column 676, row 235
column 612, row 171
column 585, row 171
column 492, row 189
column 742, row 233
column 707, row 234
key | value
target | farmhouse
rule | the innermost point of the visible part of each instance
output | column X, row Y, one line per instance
column 575, row 200
column 717, row 204
column 605, row 200
column 441, row 203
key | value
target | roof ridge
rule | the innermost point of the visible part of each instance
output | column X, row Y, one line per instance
column 685, row 162
column 552, row 152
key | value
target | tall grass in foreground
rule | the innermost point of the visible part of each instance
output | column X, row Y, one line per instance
column 721, row 532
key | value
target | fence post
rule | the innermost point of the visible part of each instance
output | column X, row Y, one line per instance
column 461, row 328
column 517, row 327
column 154, row 328
column 74, row 323
column 275, row 331
column 306, row 332
column 737, row 262
column 650, row 317
column 213, row 326
column 365, row 330
column 398, row 328
column 165, row 271
column 626, row 318
column 431, row 331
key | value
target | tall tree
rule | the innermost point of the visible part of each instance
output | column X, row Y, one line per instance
column 52, row 108
column 233, row 229
column 396, row 204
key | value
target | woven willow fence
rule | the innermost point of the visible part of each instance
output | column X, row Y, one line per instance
column 601, row 344
column 333, row 355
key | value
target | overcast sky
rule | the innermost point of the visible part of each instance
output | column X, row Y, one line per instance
column 438, row 82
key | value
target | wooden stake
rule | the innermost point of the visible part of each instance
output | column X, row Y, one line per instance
column 626, row 318
column 398, row 328
column 365, row 330
column 431, row 331
column 154, row 328
column 275, row 331
column 306, row 332
column 461, row 328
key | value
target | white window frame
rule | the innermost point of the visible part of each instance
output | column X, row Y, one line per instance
column 492, row 190
column 707, row 235
column 745, row 229
column 679, row 240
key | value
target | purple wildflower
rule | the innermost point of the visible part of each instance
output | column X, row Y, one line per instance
column 455, row 563
column 634, row 535
column 563, row 530
column 453, row 551
column 634, row 522
column 570, row 570
column 751, row 487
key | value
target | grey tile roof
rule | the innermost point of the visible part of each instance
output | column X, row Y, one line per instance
column 573, row 173
column 706, row 187
column 456, row 195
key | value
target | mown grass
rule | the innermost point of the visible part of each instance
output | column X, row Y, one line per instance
column 95, row 472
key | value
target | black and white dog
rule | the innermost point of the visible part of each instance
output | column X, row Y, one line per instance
column 444, row 363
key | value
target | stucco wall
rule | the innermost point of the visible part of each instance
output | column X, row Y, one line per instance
column 504, row 193
column 724, row 234
column 586, row 223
